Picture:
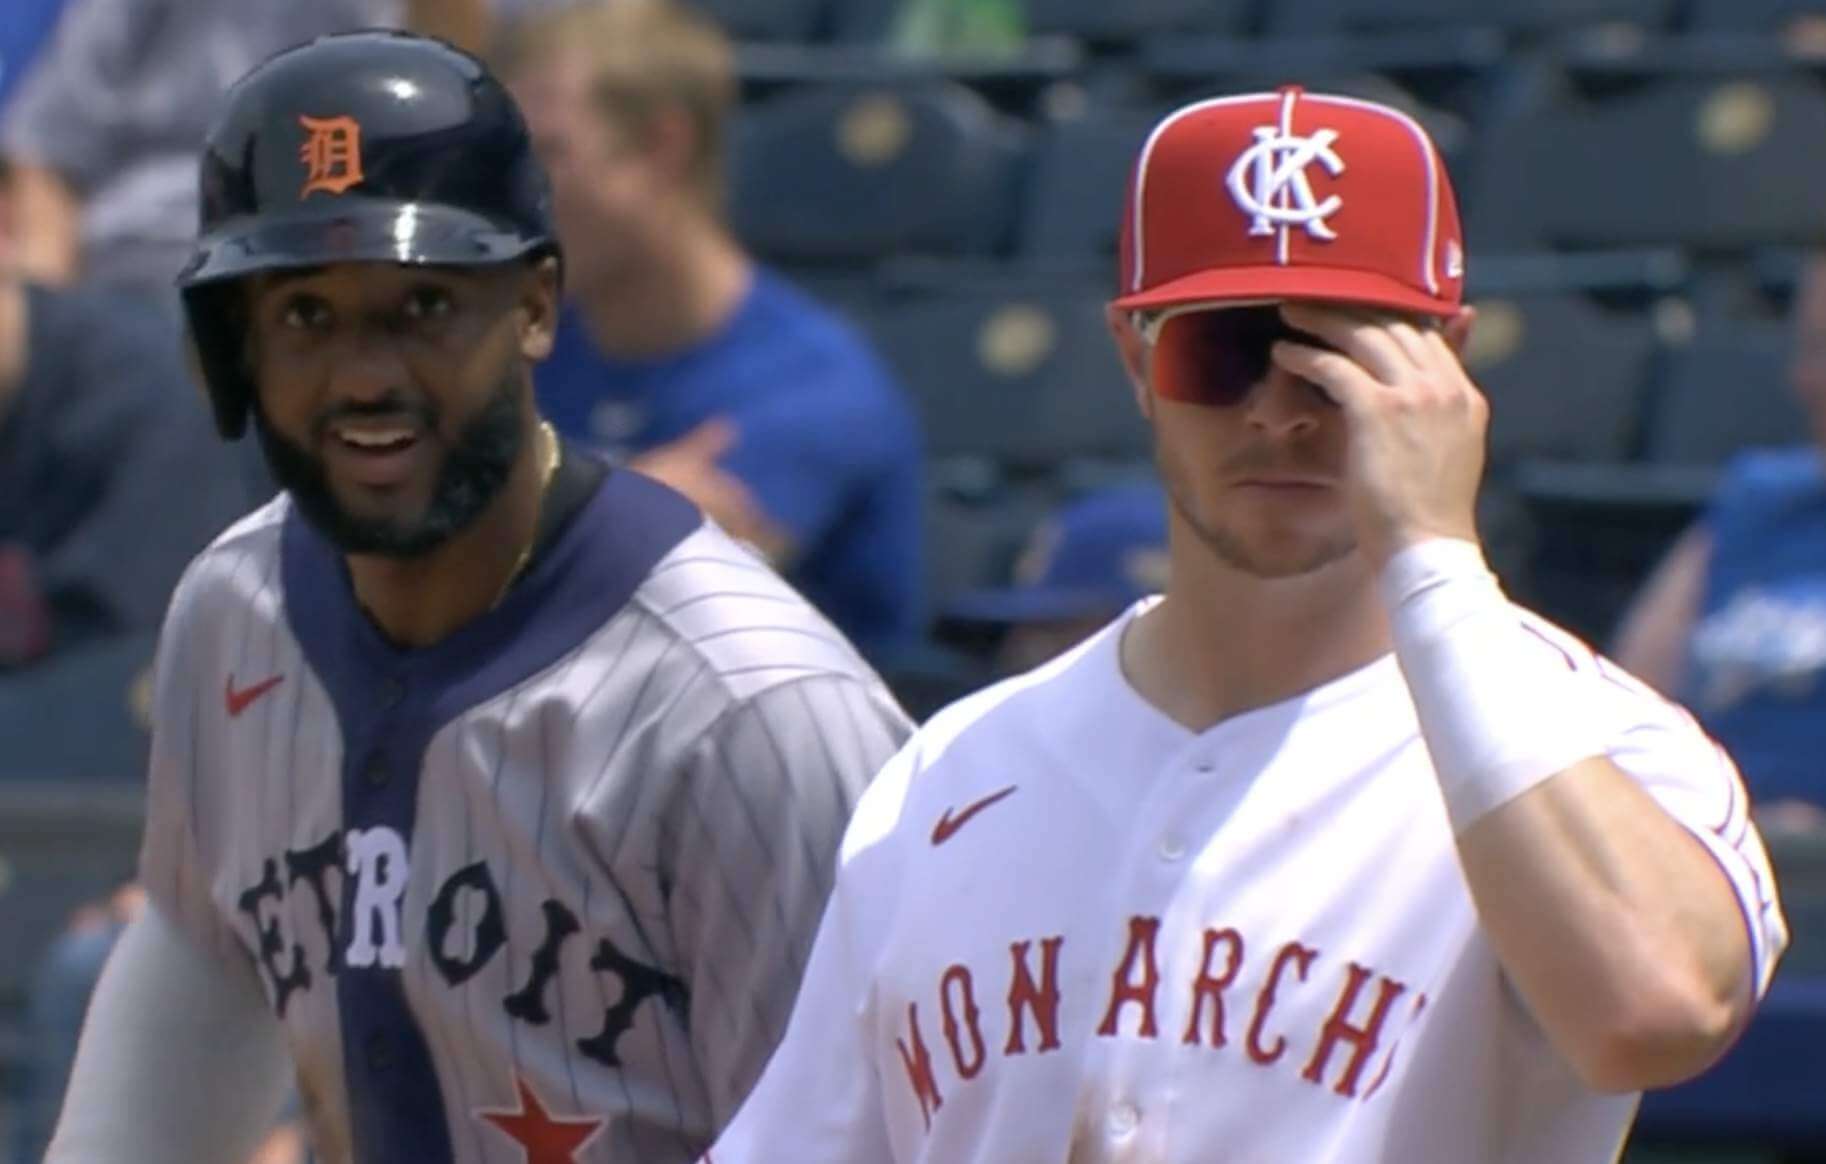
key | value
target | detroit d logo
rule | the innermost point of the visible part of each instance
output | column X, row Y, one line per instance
column 1269, row 182
column 331, row 154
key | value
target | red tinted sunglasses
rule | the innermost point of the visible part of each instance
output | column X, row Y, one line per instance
column 1214, row 356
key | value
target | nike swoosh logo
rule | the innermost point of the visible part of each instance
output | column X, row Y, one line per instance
column 948, row 824
column 240, row 701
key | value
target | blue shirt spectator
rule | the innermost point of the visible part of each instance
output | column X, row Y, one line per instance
column 24, row 26
column 111, row 475
column 104, row 126
column 820, row 435
column 1085, row 564
column 1733, row 621
column 683, row 354
column 1756, row 661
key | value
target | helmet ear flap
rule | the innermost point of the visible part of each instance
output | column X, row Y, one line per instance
column 216, row 331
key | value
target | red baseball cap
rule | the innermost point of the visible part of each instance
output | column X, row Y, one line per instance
column 1291, row 195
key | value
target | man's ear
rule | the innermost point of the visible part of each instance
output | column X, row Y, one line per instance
column 540, row 294
column 1457, row 329
column 1134, row 353
column 673, row 145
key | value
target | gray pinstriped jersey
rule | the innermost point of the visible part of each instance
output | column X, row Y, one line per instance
column 577, row 932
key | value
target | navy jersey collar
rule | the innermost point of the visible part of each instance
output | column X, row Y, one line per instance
column 577, row 583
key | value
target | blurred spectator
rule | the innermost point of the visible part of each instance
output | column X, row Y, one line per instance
column 104, row 127
column 58, row 1001
column 1085, row 565
column 111, row 477
column 678, row 351
column 1733, row 621
column 55, row 1005
column 24, row 26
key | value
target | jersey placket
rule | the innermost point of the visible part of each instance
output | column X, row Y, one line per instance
column 1129, row 1087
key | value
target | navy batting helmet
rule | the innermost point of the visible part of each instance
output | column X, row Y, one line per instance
column 366, row 146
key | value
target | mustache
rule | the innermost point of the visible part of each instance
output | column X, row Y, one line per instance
column 395, row 404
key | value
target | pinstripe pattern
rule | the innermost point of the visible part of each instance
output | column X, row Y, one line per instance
column 653, row 817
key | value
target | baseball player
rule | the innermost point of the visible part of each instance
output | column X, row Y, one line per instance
column 495, row 794
column 1329, row 854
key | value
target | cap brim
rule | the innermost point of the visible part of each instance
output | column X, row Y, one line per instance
column 1303, row 283
column 353, row 230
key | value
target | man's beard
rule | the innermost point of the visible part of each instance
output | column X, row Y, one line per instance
column 471, row 477
column 1234, row 549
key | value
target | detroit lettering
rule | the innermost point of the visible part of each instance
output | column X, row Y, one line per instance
column 1228, row 1007
column 370, row 933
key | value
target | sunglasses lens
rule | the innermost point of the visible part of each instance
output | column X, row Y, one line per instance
column 1215, row 357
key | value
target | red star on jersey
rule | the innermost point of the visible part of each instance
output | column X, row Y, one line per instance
column 545, row 1140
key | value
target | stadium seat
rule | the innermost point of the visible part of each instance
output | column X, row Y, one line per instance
column 1024, row 376
column 1632, row 280
column 1094, row 21
column 1101, row 21
column 1308, row 17
column 1442, row 78
column 1726, row 391
column 856, row 174
column 1757, row 16
column 78, row 715
column 1564, row 377
column 766, row 20
column 1713, row 165
column 980, row 536
column 1076, row 187
column 61, row 845
column 1016, row 83
column 933, row 676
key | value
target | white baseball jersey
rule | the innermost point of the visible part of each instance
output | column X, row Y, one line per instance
column 542, row 892
column 1067, row 929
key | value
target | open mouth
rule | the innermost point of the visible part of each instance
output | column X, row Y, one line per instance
column 375, row 453
column 376, row 439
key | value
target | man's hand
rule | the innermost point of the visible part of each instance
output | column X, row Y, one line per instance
column 1417, row 422
column 689, row 465
column 1791, row 818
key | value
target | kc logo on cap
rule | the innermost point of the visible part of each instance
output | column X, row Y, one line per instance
column 1269, row 181
column 1291, row 195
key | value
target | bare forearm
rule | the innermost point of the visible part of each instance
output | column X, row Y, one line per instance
column 1652, row 637
column 47, row 226
column 1619, row 930
column 1614, row 924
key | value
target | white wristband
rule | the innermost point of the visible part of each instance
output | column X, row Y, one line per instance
column 1499, row 711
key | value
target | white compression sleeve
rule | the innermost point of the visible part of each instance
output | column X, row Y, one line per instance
column 1499, row 714
column 181, row 1061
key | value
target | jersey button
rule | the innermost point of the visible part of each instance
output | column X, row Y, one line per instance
column 1123, row 1119
column 1204, row 766
column 376, row 773
column 380, row 1055
column 1172, row 848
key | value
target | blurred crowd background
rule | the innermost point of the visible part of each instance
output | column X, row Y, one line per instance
column 836, row 269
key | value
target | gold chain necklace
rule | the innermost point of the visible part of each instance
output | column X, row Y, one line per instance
column 550, row 453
